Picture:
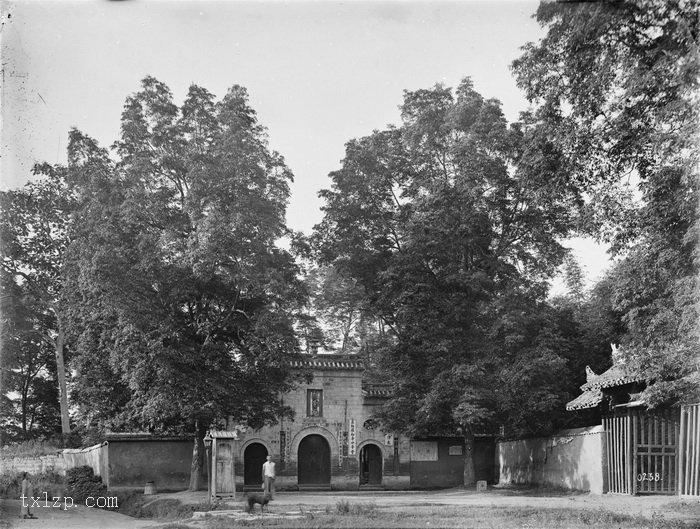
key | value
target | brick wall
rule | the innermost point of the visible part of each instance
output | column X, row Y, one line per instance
column 33, row 465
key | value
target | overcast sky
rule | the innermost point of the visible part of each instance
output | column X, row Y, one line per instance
column 318, row 73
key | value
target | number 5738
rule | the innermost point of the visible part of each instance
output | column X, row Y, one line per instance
column 644, row 476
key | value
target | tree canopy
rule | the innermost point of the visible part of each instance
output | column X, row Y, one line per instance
column 451, row 224
column 163, row 266
column 34, row 234
column 615, row 88
column 174, row 284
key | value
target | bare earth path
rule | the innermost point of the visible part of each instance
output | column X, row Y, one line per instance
column 687, row 510
column 80, row 517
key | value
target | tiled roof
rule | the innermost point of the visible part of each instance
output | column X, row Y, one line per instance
column 587, row 399
column 145, row 436
column 225, row 434
column 330, row 362
column 382, row 391
column 617, row 375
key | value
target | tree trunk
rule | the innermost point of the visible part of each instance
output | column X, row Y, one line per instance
column 469, row 470
column 61, row 372
column 25, row 412
column 197, row 468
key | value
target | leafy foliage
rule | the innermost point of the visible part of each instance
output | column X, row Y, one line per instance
column 81, row 482
column 34, row 232
column 48, row 481
column 616, row 91
column 450, row 224
column 179, row 305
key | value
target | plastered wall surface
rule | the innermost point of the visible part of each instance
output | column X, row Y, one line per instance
column 571, row 459
column 93, row 456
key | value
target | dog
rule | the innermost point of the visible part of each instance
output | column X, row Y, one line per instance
column 253, row 498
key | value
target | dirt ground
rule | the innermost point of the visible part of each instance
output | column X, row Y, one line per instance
column 687, row 510
column 670, row 506
column 80, row 517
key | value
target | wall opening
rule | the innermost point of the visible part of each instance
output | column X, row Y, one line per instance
column 314, row 461
column 254, row 456
column 371, row 465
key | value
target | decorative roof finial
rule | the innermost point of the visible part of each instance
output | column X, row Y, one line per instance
column 590, row 375
column 617, row 356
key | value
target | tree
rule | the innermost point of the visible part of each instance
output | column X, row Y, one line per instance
column 615, row 88
column 337, row 303
column 450, row 224
column 181, row 305
column 28, row 370
column 34, row 233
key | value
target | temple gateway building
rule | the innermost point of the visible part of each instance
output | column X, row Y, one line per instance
column 332, row 443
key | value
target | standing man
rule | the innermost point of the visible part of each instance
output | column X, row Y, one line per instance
column 27, row 493
column 269, row 477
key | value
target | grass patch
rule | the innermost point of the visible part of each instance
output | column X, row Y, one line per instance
column 344, row 507
column 136, row 505
column 29, row 449
column 50, row 482
column 368, row 516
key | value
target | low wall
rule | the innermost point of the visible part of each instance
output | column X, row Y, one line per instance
column 571, row 459
column 94, row 456
column 166, row 462
column 33, row 465
column 437, row 463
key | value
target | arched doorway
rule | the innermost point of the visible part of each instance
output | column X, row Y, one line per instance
column 314, row 461
column 370, row 465
column 253, row 458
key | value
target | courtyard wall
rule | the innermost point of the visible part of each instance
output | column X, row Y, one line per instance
column 93, row 456
column 571, row 459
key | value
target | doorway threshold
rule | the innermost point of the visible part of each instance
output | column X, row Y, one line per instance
column 311, row 487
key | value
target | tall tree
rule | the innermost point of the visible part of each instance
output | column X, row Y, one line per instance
column 30, row 403
column 337, row 303
column 450, row 223
column 615, row 88
column 34, row 234
column 177, row 290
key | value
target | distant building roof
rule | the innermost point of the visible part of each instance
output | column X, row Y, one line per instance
column 377, row 391
column 330, row 362
column 617, row 375
column 587, row 399
column 145, row 436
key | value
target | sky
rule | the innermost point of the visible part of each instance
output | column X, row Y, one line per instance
column 318, row 73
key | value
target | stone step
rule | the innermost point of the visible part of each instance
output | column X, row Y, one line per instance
column 321, row 486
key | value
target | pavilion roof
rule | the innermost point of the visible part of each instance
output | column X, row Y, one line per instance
column 617, row 375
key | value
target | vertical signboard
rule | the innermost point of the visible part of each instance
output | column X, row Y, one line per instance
column 352, row 441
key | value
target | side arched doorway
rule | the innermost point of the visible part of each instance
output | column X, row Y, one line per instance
column 314, row 461
column 254, row 456
column 370, row 465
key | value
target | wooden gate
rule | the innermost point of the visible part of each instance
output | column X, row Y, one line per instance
column 642, row 451
column 655, row 452
column 618, row 433
column 689, row 451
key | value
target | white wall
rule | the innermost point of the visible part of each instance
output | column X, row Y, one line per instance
column 570, row 459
